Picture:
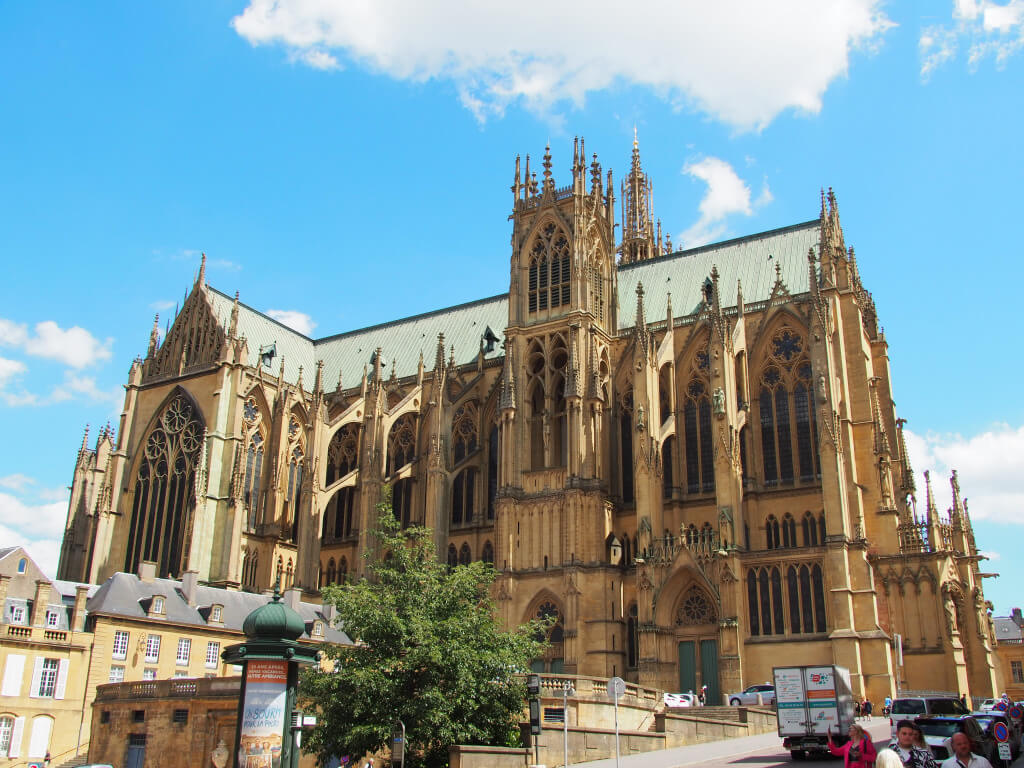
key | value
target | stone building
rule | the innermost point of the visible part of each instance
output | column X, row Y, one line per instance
column 1010, row 651
column 690, row 458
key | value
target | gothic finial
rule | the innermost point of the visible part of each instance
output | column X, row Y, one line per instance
column 929, row 498
column 640, row 321
column 154, row 337
column 233, row 325
column 739, row 297
column 508, row 384
column 280, row 376
column 338, row 388
column 530, row 187
column 668, row 243
column 595, row 176
column 954, row 484
column 908, row 484
column 668, row 312
column 439, row 356
column 85, row 438
column 201, row 277
column 516, row 184
column 318, row 382
column 549, row 182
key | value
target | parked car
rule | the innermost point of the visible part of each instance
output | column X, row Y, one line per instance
column 938, row 730
column 910, row 707
column 749, row 696
column 988, row 719
column 681, row 700
column 988, row 705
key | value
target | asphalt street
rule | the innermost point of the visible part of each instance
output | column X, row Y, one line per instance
column 763, row 751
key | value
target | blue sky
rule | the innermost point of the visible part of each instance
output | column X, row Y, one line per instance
column 346, row 164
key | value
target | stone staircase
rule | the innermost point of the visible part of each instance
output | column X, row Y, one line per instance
column 74, row 762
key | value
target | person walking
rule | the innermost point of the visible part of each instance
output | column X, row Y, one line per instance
column 962, row 755
column 907, row 745
column 858, row 752
column 868, row 707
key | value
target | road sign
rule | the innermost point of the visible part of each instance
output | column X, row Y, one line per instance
column 1015, row 711
column 616, row 688
column 1001, row 732
column 1001, row 706
column 1004, row 751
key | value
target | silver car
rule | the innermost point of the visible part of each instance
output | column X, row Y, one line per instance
column 749, row 696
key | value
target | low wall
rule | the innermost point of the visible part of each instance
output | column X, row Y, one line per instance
column 705, row 724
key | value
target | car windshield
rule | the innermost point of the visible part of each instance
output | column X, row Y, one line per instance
column 984, row 722
column 941, row 728
column 946, row 707
column 908, row 707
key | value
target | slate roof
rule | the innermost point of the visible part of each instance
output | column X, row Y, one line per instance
column 1007, row 630
column 750, row 259
column 125, row 594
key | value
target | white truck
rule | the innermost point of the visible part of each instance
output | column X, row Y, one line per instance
column 811, row 701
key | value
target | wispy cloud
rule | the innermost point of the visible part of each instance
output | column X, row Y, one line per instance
column 294, row 319
column 986, row 29
column 726, row 194
column 31, row 521
column 782, row 56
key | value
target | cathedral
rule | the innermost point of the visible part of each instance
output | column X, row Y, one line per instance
column 689, row 459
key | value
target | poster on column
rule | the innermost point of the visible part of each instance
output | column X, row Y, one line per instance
column 266, row 684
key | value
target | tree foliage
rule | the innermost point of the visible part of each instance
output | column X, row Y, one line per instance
column 429, row 651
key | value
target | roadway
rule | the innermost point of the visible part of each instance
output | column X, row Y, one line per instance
column 762, row 751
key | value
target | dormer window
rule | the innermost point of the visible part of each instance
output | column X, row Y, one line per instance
column 52, row 618
column 216, row 613
column 22, row 565
column 158, row 605
column 17, row 614
column 318, row 629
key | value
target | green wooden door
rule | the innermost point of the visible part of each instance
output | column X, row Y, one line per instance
column 709, row 670
column 687, row 666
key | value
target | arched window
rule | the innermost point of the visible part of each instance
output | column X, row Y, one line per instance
column 700, row 471
column 453, row 556
column 818, row 586
column 464, row 432
column 549, row 272
column 538, row 420
column 463, row 496
column 251, row 482
column 814, row 529
column 753, row 604
column 786, row 411
column 401, row 501
column 465, row 555
column 666, row 466
column 342, row 453
column 555, row 634
column 331, row 571
column 772, row 539
column 294, row 499
column 279, row 573
column 821, row 528
column 401, row 443
column 164, row 493
column 339, row 514
column 487, row 556
column 289, row 574
column 6, row 733
column 343, row 570
column 695, row 609
column 627, row 552
column 665, row 392
column 788, row 530
column 249, row 565
column 764, row 601
column 632, row 636
column 626, row 445
column 492, row 473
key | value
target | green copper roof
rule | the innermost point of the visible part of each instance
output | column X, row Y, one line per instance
column 751, row 260
column 274, row 621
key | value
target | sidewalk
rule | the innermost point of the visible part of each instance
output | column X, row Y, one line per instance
column 764, row 744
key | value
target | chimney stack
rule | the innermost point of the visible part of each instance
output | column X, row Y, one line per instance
column 189, row 582
column 78, row 614
column 147, row 571
column 292, row 598
column 41, row 602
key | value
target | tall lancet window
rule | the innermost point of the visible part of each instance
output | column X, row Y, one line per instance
column 294, row 493
column 789, row 442
column 549, row 269
column 164, row 500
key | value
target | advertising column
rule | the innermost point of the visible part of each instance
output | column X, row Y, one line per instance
column 262, row 727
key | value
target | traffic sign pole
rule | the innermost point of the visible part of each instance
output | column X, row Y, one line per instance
column 616, row 687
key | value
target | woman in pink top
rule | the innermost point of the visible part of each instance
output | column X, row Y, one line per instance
column 858, row 752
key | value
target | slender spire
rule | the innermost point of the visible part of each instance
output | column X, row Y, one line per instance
column 233, row 324
column 668, row 313
column 318, row 382
column 508, row 383
column 85, row 438
column 881, row 436
column 929, row 504
column 531, row 188
column 739, row 298
column 907, row 483
column 201, row 277
column 638, row 234
column 640, row 321
column 594, row 382
column 549, row 182
column 958, row 505
column 516, row 185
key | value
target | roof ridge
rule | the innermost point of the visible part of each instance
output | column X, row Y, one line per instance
column 722, row 243
column 264, row 315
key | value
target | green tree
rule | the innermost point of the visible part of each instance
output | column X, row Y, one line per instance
column 429, row 651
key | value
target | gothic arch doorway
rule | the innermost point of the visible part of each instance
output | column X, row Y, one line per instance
column 696, row 635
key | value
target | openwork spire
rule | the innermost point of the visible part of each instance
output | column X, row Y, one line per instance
column 549, row 181
column 638, row 241
column 508, row 383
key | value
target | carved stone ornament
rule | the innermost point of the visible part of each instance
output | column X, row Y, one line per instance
column 718, row 402
column 219, row 756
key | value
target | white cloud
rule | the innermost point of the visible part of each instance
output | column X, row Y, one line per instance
column 9, row 369
column 989, row 467
column 162, row 306
column 742, row 62
column 16, row 482
column 726, row 194
column 86, row 387
column 294, row 319
column 36, row 525
column 985, row 28
column 75, row 346
column 12, row 334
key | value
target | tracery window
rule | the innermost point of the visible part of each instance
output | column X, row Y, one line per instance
column 806, row 598
column 695, row 609
column 340, row 513
column 342, row 453
column 626, row 445
column 463, row 496
column 401, row 501
column 788, row 530
column 332, row 571
column 343, row 570
column 700, row 471
column 250, row 562
column 401, row 443
column 786, row 412
column 289, row 574
column 492, row 473
column 764, row 601
column 465, row 555
column 548, row 612
column 813, row 529
column 279, row 573
column 773, row 539
column 164, row 494
column 596, row 275
column 464, row 432
column 545, row 387
column 294, row 498
column 549, row 272
column 251, row 482
column 453, row 556
column 666, row 466
column 487, row 556
column 632, row 636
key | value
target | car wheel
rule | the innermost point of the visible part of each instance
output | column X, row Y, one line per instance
column 798, row 754
column 734, row 702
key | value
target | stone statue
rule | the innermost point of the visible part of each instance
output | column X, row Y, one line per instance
column 546, row 420
column 822, row 391
column 640, row 425
column 718, row 401
column 950, row 608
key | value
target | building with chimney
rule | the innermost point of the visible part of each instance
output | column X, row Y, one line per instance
column 689, row 458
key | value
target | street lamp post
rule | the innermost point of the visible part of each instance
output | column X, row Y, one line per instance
column 567, row 691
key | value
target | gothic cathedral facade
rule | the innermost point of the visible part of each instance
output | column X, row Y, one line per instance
column 691, row 459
